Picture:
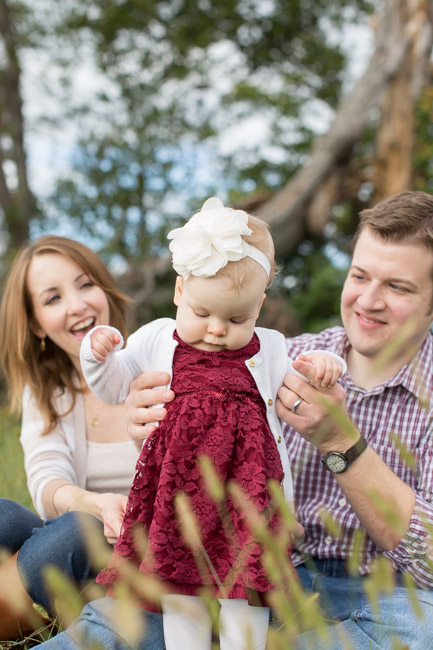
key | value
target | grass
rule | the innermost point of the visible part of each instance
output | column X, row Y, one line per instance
column 13, row 477
column 32, row 640
column 14, row 486
column 297, row 611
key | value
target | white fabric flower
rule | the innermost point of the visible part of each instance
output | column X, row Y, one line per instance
column 209, row 240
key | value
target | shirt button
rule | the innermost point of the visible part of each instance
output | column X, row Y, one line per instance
column 270, row 402
column 328, row 540
column 342, row 502
column 279, row 438
column 252, row 363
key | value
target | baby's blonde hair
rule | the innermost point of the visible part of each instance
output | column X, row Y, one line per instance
column 243, row 269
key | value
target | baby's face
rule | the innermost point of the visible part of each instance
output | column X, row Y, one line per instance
column 211, row 315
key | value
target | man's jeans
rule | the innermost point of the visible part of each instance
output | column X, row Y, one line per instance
column 343, row 600
column 361, row 626
column 58, row 542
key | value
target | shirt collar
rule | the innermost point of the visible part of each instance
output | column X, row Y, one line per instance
column 415, row 376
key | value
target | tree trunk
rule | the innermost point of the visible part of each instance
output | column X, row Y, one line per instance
column 396, row 42
column 15, row 197
column 396, row 131
column 402, row 52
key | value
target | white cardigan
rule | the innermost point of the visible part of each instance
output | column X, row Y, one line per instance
column 152, row 348
column 59, row 454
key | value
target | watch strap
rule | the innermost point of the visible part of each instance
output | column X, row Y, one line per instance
column 346, row 457
column 354, row 452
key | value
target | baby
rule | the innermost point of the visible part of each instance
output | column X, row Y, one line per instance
column 225, row 374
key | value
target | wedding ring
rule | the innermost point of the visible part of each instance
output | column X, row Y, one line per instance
column 296, row 405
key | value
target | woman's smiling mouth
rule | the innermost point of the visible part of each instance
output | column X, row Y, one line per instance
column 80, row 329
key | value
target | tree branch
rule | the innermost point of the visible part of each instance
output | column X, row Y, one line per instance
column 286, row 210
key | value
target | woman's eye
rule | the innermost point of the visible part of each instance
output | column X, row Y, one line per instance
column 52, row 299
column 86, row 285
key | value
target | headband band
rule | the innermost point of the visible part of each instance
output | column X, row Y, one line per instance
column 258, row 256
column 212, row 238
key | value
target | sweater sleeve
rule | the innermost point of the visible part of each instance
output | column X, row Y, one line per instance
column 47, row 458
column 110, row 379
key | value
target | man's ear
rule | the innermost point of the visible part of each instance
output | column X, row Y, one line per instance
column 178, row 288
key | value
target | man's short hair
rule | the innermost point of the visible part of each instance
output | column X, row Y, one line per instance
column 405, row 217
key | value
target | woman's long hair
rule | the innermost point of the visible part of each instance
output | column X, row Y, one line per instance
column 46, row 372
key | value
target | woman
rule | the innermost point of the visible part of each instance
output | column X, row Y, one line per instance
column 78, row 455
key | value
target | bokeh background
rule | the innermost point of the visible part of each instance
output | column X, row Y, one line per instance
column 119, row 117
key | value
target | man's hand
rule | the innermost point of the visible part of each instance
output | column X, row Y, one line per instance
column 141, row 413
column 321, row 417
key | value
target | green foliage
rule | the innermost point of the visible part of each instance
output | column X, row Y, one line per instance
column 423, row 155
column 13, row 478
column 190, row 99
column 313, row 284
column 179, row 76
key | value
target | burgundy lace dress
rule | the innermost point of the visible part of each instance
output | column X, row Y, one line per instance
column 217, row 412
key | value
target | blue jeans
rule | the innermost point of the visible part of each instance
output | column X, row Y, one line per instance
column 343, row 600
column 355, row 623
column 98, row 626
column 57, row 542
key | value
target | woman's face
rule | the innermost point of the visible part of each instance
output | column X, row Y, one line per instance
column 66, row 302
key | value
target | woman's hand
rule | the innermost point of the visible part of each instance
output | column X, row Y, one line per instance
column 297, row 535
column 107, row 506
column 141, row 413
column 113, row 508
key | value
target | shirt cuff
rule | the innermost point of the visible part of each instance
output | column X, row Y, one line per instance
column 414, row 553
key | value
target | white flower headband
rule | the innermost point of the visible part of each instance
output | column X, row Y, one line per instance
column 210, row 239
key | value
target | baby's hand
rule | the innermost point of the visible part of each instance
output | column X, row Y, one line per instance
column 324, row 370
column 103, row 341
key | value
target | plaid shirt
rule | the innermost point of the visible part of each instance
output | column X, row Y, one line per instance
column 402, row 405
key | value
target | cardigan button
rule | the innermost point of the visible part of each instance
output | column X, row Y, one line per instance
column 279, row 438
column 270, row 402
column 252, row 363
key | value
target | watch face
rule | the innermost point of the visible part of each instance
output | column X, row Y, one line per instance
column 336, row 462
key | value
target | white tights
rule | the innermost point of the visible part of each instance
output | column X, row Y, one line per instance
column 187, row 624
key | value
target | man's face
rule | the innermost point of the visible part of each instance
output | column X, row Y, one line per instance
column 388, row 291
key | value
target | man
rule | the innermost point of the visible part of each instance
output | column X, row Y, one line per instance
column 355, row 468
column 387, row 311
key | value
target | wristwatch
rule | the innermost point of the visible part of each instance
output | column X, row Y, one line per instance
column 338, row 461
